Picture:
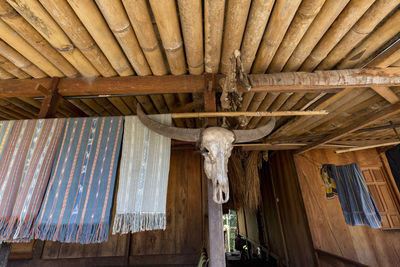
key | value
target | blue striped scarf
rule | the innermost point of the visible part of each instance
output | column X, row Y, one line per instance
column 358, row 206
column 78, row 202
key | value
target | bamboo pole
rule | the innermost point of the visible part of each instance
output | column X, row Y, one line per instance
column 248, row 114
column 63, row 14
column 166, row 18
column 5, row 75
column 321, row 24
column 11, row 68
column 373, row 42
column 347, row 18
column 21, row 62
column 19, row 44
column 37, row 16
column 281, row 17
column 26, row 31
column 305, row 15
column 235, row 22
column 375, row 14
column 259, row 14
column 94, row 22
column 141, row 22
column 118, row 21
column 365, row 147
column 192, row 28
column 213, row 28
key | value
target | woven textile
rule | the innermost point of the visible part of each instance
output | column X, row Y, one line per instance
column 27, row 156
column 358, row 206
column 143, row 180
column 78, row 201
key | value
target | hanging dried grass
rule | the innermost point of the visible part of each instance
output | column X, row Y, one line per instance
column 244, row 180
column 236, row 176
column 252, row 181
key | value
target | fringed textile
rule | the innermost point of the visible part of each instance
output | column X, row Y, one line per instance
column 78, row 202
column 358, row 206
column 25, row 166
column 143, row 180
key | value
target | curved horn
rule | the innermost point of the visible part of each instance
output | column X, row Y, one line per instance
column 182, row 134
column 243, row 136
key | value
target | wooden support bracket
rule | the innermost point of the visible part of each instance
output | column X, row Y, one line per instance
column 51, row 100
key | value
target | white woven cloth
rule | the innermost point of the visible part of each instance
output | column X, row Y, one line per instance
column 143, row 180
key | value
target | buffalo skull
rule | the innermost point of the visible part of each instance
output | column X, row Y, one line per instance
column 216, row 144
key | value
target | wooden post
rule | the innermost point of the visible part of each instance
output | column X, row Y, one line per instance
column 5, row 249
column 216, row 251
column 51, row 101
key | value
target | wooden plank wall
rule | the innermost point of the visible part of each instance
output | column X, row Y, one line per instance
column 251, row 224
column 180, row 243
column 330, row 233
column 273, row 237
column 290, row 204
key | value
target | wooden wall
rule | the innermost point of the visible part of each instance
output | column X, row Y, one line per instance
column 180, row 244
column 330, row 233
column 290, row 210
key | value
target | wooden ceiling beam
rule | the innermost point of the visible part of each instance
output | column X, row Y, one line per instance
column 330, row 79
column 319, row 81
column 363, row 122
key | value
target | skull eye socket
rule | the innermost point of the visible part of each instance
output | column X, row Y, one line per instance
column 205, row 152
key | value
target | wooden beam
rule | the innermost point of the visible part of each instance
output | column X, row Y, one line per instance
column 135, row 85
column 51, row 101
column 319, row 81
column 386, row 93
column 363, row 122
column 248, row 114
column 330, row 79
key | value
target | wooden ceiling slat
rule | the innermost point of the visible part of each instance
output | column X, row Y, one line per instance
column 386, row 93
column 235, row 23
column 347, row 18
column 213, row 29
column 146, row 103
column 5, row 75
column 82, row 106
column 159, row 103
column 11, row 68
column 37, row 16
column 256, row 24
column 389, row 29
column 63, row 14
column 279, row 22
column 20, row 61
column 96, row 107
column 118, row 21
column 190, row 13
column 120, row 105
column 94, row 22
column 25, row 49
column 321, row 24
column 104, row 102
column 139, row 16
column 9, row 108
column 375, row 14
column 166, row 17
column 26, row 31
column 21, row 104
column 365, row 121
column 302, row 25
column 276, row 105
column 130, row 101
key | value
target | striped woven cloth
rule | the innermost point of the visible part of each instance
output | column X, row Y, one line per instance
column 78, row 201
column 27, row 156
column 358, row 206
column 143, row 180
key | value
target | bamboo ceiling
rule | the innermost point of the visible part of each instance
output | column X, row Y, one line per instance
column 72, row 38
